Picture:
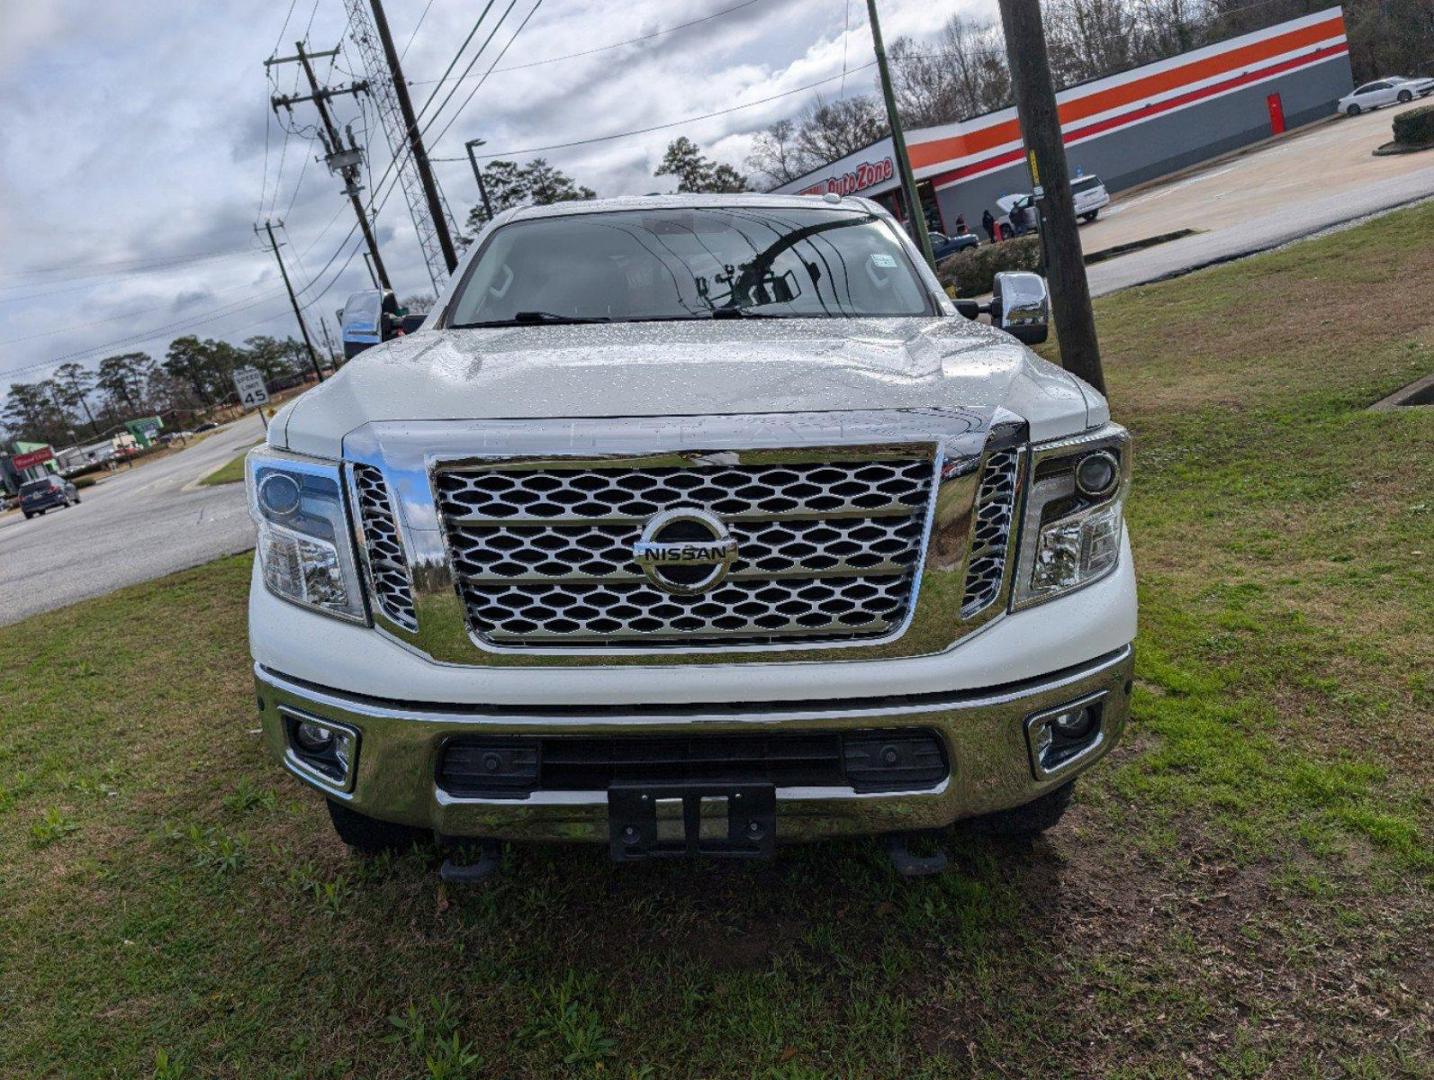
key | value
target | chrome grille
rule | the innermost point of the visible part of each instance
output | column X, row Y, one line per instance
column 827, row 550
column 387, row 563
column 991, row 533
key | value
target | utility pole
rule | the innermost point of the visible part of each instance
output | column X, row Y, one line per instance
column 898, row 141
column 1046, row 154
column 371, row 275
column 344, row 160
column 328, row 341
column 415, row 138
column 298, row 314
column 470, row 146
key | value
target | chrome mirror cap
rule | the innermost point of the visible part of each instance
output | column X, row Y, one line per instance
column 1021, row 306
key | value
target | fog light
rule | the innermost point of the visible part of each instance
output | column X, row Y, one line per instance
column 1060, row 738
column 322, row 749
column 312, row 738
column 1073, row 723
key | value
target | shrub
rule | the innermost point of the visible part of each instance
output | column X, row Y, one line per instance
column 82, row 482
column 1415, row 127
column 974, row 271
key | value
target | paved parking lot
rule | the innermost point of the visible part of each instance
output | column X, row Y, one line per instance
column 136, row 525
column 1290, row 187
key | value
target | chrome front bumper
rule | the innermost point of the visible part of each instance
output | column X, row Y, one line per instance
column 991, row 765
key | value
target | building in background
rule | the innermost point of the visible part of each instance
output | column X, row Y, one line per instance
column 1126, row 128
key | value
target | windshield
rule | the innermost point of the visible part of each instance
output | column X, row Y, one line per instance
column 637, row 265
column 30, row 487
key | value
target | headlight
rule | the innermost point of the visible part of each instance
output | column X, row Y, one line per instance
column 1071, row 530
column 305, row 550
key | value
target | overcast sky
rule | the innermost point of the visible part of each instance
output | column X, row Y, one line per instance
column 138, row 134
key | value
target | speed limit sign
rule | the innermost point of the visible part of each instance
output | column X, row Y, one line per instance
column 250, row 384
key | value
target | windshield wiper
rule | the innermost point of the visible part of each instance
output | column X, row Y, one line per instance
column 533, row 318
column 743, row 313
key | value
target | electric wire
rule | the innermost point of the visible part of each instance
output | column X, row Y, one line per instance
column 662, row 127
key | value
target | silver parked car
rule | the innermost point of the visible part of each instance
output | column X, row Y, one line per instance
column 1394, row 90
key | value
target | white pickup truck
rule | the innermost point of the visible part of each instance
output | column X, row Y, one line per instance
column 688, row 525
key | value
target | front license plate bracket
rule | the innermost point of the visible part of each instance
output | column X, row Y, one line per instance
column 657, row 821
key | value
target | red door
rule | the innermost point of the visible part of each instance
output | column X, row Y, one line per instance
column 1277, row 114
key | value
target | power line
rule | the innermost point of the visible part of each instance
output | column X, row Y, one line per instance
column 119, row 266
column 457, row 82
column 615, row 44
column 663, row 127
column 456, row 57
column 416, row 25
column 479, row 84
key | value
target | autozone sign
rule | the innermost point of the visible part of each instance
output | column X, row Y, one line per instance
column 866, row 174
column 21, row 462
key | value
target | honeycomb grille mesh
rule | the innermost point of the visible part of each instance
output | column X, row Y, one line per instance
column 826, row 550
column 991, row 533
column 388, row 565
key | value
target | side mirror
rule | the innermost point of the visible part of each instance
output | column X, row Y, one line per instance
column 1021, row 306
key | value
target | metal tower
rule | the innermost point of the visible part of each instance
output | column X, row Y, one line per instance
column 421, row 202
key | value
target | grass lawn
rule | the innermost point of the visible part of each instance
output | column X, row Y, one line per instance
column 231, row 472
column 1242, row 890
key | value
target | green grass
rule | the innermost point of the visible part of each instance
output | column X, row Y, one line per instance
column 1242, row 889
column 231, row 472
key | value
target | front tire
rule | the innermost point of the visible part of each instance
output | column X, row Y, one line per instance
column 370, row 836
column 28, row 515
column 1353, row 110
column 1032, row 819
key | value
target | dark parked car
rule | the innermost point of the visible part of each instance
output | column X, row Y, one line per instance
column 943, row 245
column 37, row 496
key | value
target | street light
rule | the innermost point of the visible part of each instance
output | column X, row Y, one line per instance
column 470, row 146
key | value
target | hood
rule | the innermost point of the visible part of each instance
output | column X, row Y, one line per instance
column 689, row 369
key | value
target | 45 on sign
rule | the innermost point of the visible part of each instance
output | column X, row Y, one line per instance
column 250, row 384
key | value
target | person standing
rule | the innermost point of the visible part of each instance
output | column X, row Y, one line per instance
column 988, row 222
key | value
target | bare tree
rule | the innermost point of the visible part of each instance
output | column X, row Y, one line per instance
column 827, row 131
column 776, row 156
column 961, row 74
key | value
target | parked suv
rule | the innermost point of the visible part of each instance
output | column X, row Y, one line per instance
column 690, row 524
column 47, row 493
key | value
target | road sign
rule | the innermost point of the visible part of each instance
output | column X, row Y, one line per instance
column 250, row 384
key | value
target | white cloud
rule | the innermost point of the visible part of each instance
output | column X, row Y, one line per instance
column 137, row 132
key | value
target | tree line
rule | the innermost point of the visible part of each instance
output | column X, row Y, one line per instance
column 77, row 402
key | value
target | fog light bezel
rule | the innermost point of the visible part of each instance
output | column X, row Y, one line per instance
column 338, row 773
column 1045, row 766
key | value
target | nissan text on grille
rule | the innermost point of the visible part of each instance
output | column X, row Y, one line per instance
column 694, row 525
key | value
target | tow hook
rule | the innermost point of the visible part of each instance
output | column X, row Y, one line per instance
column 472, row 873
column 912, row 866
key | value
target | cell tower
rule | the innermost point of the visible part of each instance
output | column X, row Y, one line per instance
column 432, row 219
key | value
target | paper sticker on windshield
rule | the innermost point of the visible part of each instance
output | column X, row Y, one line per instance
column 883, row 260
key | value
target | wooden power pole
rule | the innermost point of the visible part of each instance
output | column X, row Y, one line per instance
column 298, row 312
column 898, row 141
column 415, row 138
column 1046, row 154
column 344, row 160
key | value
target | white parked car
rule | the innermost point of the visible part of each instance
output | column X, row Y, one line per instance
column 1088, row 193
column 1394, row 90
column 688, row 525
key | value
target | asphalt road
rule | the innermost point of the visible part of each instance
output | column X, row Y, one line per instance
column 136, row 525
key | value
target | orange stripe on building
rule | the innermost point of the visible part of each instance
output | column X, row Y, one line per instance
column 966, row 144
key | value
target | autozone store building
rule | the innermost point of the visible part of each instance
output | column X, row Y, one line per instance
column 1125, row 128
